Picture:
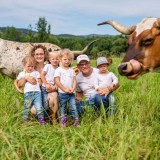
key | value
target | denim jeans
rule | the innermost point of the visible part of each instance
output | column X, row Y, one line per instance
column 45, row 103
column 63, row 99
column 94, row 101
column 33, row 98
column 80, row 105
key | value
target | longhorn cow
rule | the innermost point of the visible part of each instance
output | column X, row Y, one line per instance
column 143, row 53
column 12, row 53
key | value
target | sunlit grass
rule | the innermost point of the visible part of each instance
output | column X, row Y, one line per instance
column 132, row 133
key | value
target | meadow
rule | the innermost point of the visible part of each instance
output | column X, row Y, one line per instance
column 132, row 133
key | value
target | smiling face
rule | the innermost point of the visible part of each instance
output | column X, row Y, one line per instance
column 39, row 55
column 54, row 59
column 85, row 67
column 29, row 67
column 66, row 61
column 65, row 57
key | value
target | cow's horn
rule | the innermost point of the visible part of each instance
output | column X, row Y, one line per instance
column 158, row 21
column 119, row 27
column 85, row 49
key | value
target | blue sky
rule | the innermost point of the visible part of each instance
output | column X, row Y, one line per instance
column 77, row 17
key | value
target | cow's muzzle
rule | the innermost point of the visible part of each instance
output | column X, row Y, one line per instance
column 131, row 69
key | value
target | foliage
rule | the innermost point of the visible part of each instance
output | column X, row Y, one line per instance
column 105, row 46
column 131, row 133
column 43, row 30
column 11, row 33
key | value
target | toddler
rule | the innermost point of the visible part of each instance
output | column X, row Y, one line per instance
column 49, row 88
column 65, row 79
column 103, row 80
column 32, row 92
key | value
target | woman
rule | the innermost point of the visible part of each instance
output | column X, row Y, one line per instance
column 40, row 54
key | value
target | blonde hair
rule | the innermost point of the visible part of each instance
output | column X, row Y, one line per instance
column 53, row 53
column 66, row 52
column 28, row 59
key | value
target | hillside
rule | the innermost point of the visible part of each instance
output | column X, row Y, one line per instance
column 25, row 31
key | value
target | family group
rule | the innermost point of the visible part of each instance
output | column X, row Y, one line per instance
column 50, row 87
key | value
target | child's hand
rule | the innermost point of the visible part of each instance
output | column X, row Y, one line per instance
column 111, row 86
column 100, row 91
column 67, row 90
column 71, row 90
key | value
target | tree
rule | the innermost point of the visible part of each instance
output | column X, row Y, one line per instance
column 30, row 36
column 11, row 33
column 43, row 29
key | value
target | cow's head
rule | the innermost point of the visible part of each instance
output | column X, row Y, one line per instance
column 143, row 53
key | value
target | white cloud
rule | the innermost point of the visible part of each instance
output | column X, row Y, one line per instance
column 74, row 16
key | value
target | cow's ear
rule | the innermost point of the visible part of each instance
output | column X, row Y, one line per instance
column 109, row 60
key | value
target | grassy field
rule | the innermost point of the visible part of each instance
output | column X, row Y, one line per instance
column 132, row 133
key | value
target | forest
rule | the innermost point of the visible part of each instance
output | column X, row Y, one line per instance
column 109, row 46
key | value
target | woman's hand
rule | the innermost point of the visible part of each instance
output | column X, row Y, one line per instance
column 54, row 88
column 31, row 80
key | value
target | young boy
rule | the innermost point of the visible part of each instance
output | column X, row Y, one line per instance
column 65, row 79
column 103, row 80
column 49, row 88
column 32, row 92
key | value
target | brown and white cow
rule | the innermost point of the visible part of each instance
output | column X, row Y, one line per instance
column 12, row 53
column 143, row 53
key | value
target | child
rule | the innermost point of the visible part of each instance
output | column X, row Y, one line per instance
column 66, row 82
column 49, row 85
column 106, row 79
column 32, row 92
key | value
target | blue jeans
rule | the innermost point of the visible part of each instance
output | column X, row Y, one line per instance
column 45, row 104
column 99, row 99
column 33, row 98
column 63, row 99
column 94, row 101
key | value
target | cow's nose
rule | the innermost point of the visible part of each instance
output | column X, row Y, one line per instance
column 122, row 69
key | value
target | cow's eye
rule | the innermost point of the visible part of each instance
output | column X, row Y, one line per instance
column 147, row 42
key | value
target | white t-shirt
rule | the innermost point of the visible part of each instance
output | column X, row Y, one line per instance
column 86, row 84
column 28, row 86
column 66, row 77
column 104, row 80
column 50, row 71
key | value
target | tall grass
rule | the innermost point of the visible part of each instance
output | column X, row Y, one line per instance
column 133, row 132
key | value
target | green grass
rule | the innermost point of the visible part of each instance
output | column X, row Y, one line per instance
column 132, row 133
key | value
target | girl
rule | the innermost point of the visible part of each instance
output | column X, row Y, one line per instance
column 32, row 92
column 47, row 76
column 65, row 79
